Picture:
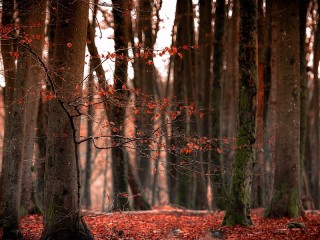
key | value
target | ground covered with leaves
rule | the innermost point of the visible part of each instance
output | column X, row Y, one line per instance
column 168, row 223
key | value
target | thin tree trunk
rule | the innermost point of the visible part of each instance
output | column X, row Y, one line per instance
column 305, row 182
column 314, row 122
column 205, row 52
column 90, row 112
column 238, row 205
column 145, row 81
column 31, row 107
column 217, row 180
column 42, row 129
column 119, row 161
column 258, row 178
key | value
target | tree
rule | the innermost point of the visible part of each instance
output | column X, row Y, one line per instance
column 286, row 193
column 13, row 164
column 31, row 106
column 238, row 205
column 62, row 216
column 9, row 75
column 179, row 178
column 217, row 181
column 204, row 75
column 119, row 161
column 313, row 129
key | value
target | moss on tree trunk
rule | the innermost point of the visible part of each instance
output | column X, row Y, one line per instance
column 238, row 204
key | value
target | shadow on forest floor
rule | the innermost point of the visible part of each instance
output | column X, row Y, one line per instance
column 170, row 223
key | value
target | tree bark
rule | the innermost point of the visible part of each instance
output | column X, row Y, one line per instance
column 217, row 180
column 238, row 205
column 145, row 81
column 62, row 219
column 286, row 194
column 119, row 161
column 305, row 182
column 13, row 168
column 9, row 75
column 31, row 107
column 204, row 65
column 314, row 121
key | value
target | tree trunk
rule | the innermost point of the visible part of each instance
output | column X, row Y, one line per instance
column 230, row 92
column 139, row 200
column 258, row 178
column 183, row 80
column 13, row 167
column 204, row 76
column 62, row 219
column 286, row 194
column 90, row 112
column 238, row 205
column 31, row 107
column 9, row 66
column 42, row 129
column 87, row 178
column 42, row 121
column 145, row 81
column 305, row 182
column 217, row 180
column 119, row 161
column 314, row 122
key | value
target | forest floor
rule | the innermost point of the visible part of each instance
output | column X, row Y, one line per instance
column 170, row 223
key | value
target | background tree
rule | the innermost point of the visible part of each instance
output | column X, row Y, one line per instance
column 217, row 180
column 13, row 165
column 204, row 76
column 119, row 161
column 32, row 97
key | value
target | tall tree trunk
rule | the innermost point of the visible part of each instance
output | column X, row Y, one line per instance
column 204, row 76
column 305, row 182
column 230, row 92
column 119, row 161
column 145, row 81
column 183, row 80
column 314, row 122
column 9, row 66
column 258, row 178
column 90, row 112
column 42, row 121
column 31, row 107
column 286, row 194
column 62, row 216
column 13, row 167
column 238, row 205
column 270, row 106
column 88, row 161
column 42, row 129
column 217, row 180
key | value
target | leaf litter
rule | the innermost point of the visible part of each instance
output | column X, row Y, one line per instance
column 171, row 223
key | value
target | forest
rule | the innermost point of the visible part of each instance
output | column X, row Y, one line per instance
column 159, row 119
